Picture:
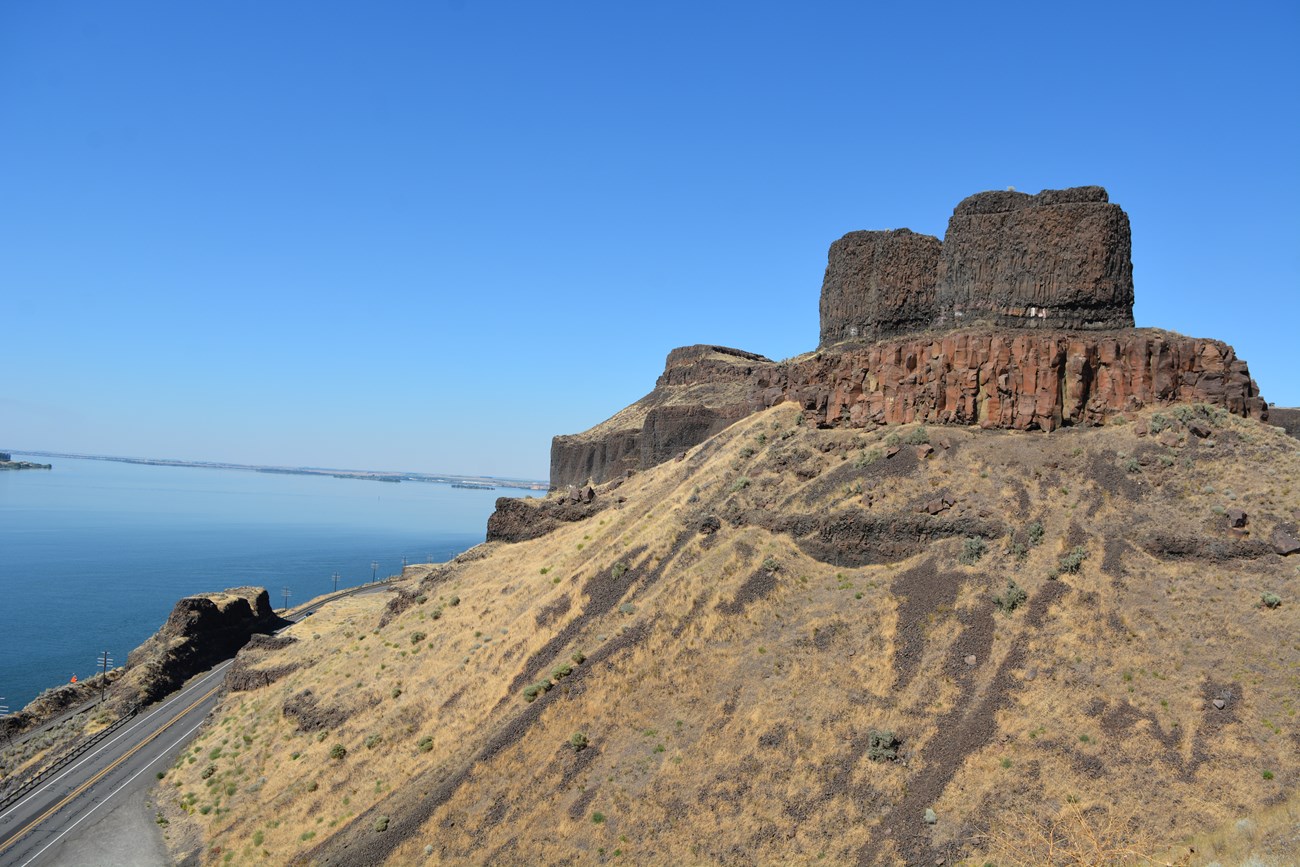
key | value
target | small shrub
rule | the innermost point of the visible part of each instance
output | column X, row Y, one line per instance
column 561, row 671
column 208, row 772
column 313, row 786
column 1019, row 550
column 381, row 824
column 532, row 691
column 1268, row 775
column 1034, row 533
column 1011, row 598
column 1270, row 600
column 397, row 692
column 372, row 741
column 205, row 809
column 578, row 657
column 739, row 484
column 424, row 744
column 1158, row 423
column 917, row 436
column 453, row 601
column 746, row 452
column 868, row 457
column 893, row 439
column 258, row 837
column 627, row 608
column 578, row 742
column 1132, row 466
column 882, row 746
column 417, row 637
column 770, row 565
column 619, row 570
column 1072, row 562
column 338, row 751
column 598, row 818
column 972, row 550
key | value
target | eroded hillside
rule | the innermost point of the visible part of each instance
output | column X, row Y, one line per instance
column 800, row 646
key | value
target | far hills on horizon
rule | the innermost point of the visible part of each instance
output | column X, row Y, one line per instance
column 371, row 475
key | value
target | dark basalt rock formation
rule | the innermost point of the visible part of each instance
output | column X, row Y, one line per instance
column 878, row 284
column 200, row 632
column 520, row 519
column 917, row 331
column 1287, row 418
column 702, row 390
column 1060, row 259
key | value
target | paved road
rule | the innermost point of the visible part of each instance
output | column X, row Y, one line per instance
column 50, row 825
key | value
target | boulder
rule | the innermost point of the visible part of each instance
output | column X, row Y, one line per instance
column 1285, row 543
column 1060, row 259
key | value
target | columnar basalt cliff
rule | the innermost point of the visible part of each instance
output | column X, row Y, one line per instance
column 1038, row 381
column 702, row 390
column 1060, row 259
column 878, row 284
column 915, row 330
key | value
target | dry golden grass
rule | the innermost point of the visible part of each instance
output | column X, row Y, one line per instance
column 730, row 688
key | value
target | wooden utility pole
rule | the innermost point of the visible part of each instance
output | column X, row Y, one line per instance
column 374, row 570
column 336, row 582
column 285, row 592
column 104, row 661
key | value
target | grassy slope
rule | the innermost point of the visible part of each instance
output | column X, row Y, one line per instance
column 732, row 679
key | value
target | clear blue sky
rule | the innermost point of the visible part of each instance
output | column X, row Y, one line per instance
column 431, row 235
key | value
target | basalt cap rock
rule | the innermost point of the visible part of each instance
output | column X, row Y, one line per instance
column 878, row 284
column 1058, row 259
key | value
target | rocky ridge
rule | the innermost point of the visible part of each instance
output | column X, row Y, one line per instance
column 702, row 390
column 1022, row 318
column 200, row 631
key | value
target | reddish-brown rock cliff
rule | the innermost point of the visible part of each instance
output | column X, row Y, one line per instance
column 1027, row 381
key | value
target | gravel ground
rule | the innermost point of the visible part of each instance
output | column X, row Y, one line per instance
column 124, row 835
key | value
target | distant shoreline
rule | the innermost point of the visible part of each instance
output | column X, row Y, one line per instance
column 478, row 482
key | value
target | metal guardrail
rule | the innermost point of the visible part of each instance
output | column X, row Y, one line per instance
column 81, row 749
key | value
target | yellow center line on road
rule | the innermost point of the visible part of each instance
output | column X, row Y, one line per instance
column 86, row 785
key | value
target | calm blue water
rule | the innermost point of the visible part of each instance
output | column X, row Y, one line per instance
column 93, row 554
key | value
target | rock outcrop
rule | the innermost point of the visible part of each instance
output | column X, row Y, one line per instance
column 914, row 330
column 201, row 631
column 1035, row 381
column 702, row 390
column 878, row 284
column 1287, row 418
column 519, row 519
column 1060, row 259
